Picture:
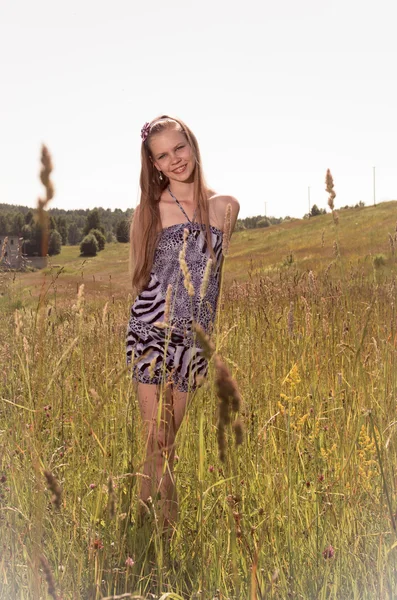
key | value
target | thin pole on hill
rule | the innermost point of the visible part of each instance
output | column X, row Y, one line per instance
column 308, row 196
column 373, row 177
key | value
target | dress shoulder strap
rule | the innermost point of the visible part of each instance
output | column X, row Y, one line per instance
column 181, row 207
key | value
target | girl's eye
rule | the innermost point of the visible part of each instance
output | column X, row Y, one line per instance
column 180, row 147
column 162, row 156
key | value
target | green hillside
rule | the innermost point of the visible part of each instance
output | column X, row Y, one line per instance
column 361, row 234
column 304, row 244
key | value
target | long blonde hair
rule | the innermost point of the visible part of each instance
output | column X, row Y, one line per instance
column 146, row 222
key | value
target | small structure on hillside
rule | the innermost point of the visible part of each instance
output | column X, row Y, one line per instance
column 12, row 256
column 10, row 251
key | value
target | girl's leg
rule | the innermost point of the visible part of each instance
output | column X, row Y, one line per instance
column 156, row 411
column 180, row 402
column 162, row 415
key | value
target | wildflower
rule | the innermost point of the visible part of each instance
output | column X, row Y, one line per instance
column 129, row 562
column 211, row 469
column 329, row 552
column 97, row 544
column 3, row 479
column 92, row 486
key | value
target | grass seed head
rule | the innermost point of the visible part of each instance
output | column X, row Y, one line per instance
column 167, row 303
column 206, row 278
column 152, row 367
column 48, row 577
column 238, row 432
column 226, row 387
column 227, row 226
column 204, row 340
column 55, row 488
column 45, row 177
column 329, row 182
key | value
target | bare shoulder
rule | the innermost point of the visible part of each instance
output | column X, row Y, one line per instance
column 218, row 204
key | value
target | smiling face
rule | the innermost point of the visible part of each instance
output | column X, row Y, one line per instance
column 172, row 154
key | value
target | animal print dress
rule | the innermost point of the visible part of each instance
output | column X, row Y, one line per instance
column 161, row 354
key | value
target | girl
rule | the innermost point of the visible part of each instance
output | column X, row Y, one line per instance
column 176, row 257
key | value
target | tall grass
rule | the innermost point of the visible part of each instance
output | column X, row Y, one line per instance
column 304, row 508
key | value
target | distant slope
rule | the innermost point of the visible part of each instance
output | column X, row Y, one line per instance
column 361, row 233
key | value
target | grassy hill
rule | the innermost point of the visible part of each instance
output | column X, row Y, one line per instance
column 304, row 244
column 361, row 234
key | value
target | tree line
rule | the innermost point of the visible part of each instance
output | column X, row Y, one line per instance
column 100, row 225
column 66, row 227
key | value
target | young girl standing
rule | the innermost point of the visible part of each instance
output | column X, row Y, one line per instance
column 176, row 258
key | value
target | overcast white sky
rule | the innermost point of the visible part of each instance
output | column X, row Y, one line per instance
column 275, row 91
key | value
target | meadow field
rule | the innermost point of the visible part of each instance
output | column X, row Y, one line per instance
column 305, row 507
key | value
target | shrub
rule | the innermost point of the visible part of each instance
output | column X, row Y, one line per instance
column 100, row 238
column 110, row 237
column 379, row 260
column 54, row 243
column 264, row 222
column 123, row 231
column 89, row 245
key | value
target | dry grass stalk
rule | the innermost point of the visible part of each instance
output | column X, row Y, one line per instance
column 129, row 595
column 49, row 194
column 48, row 577
column 391, row 242
column 55, row 488
column 290, row 319
column 308, row 314
column 167, row 303
column 227, row 230
column 111, row 498
column 104, row 313
column 18, row 322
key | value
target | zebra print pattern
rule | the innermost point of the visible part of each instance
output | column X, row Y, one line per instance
column 161, row 354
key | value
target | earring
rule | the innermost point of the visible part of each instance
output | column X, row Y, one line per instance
column 160, row 176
